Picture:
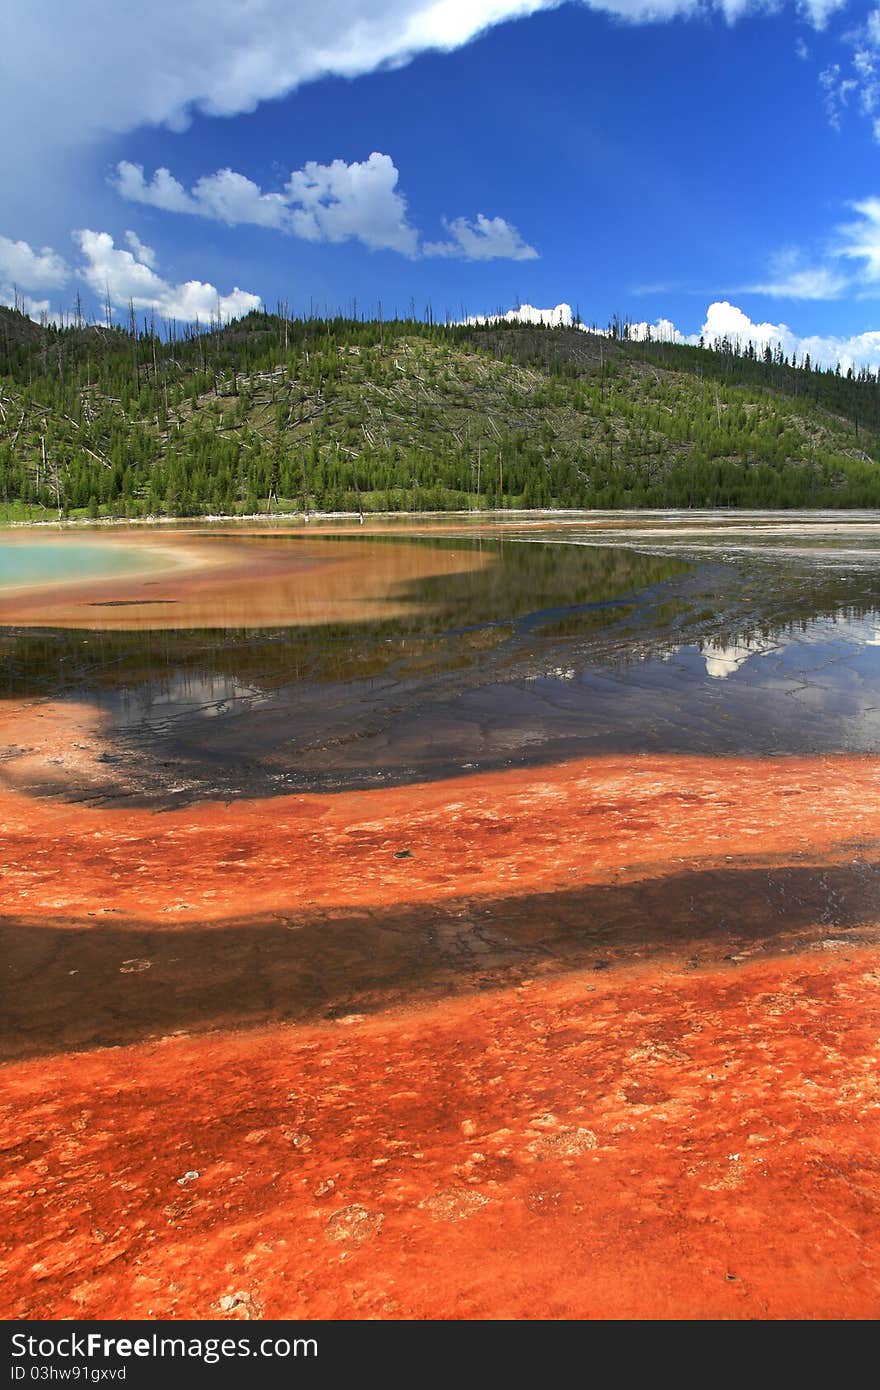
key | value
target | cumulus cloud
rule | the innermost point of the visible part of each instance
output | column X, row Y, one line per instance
column 162, row 191
column 222, row 57
column 11, row 298
column 332, row 202
column 486, row 239
column 558, row 317
column 123, row 276
column 723, row 321
column 145, row 254
column 726, row 320
column 321, row 202
column 126, row 278
column 22, row 266
column 660, row 331
column 231, row 198
column 225, row 196
column 338, row 201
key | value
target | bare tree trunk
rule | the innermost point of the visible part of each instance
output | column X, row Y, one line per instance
column 302, row 458
column 132, row 324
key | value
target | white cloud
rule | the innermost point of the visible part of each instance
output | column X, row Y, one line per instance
column 113, row 272
column 837, row 91
column 339, row 201
column 859, row 87
column 851, row 263
column 726, row 320
column 861, row 240
column 231, row 198
column 661, row 331
column 11, row 298
column 163, row 190
column 865, row 66
column 815, row 282
column 486, row 239
column 125, row 275
column 27, row 269
column 559, row 317
column 332, row 202
column 22, row 269
column 818, row 12
column 219, row 57
column 111, row 67
column 723, row 321
column 145, row 254
column 321, row 202
column 789, row 278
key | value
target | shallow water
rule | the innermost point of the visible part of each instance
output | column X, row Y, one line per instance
column 51, row 560
column 559, row 645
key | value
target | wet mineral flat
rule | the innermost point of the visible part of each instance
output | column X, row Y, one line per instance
column 506, row 943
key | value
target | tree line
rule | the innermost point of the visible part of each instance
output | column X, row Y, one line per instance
column 271, row 414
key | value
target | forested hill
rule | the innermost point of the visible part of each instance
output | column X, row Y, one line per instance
column 269, row 414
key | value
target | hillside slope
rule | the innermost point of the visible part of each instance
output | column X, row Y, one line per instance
column 268, row 414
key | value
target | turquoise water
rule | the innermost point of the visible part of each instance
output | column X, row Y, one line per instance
column 48, row 561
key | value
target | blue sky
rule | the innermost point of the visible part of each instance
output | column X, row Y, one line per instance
column 647, row 158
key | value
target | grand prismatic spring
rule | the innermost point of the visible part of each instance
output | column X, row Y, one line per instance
column 473, row 919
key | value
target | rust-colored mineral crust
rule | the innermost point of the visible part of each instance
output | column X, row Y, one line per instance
column 595, row 1040
column 651, row 1144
